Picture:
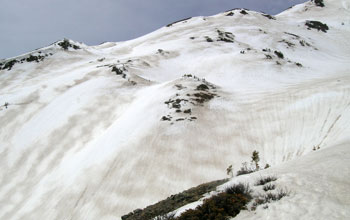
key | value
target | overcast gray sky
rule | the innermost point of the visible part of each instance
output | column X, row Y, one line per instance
column 27, row 25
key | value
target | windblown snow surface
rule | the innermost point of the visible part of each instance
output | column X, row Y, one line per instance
column 80, row 141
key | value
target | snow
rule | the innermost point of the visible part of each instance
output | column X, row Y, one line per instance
column 318, row 185
column 78, row 141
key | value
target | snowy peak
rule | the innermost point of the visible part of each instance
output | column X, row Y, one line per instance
column 40, row 54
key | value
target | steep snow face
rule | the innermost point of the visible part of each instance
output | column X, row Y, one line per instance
column 315, row 187
column 95, row 132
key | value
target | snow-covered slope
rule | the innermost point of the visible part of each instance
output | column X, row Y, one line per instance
column 95, row 132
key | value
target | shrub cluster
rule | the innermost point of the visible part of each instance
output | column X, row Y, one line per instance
column 319, row 3
column 317, row 25
column 8, row 65
column 118, row 71
column 270, row 197
column 32, row 58
column 243, row 12
column 279, row 54
column 225, row 36
column 65, row 44
column 240, row 188
column 208, row 39
column 263, row 180
column 269, row 16
column 269, row 187
column 221, row 206
column 254, row 165
column 245, row 170
column 173, row 202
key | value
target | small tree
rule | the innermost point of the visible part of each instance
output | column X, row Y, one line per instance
column 256, row 159
column 229, row 171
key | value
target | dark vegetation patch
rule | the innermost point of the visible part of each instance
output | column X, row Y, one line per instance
column 202, row 87
column 237, row 9
column 294, row 35
column 188, row 97
column 243, row 12
column 269, row 197
column 166, row 118
column 180, row 119
column 267, row 56
column 8, row 65
column 317, row 25
column 219, row 207
column 244, row 171
column 269, row 187
column 263, row 180
column 289, row 44
column 119, row 71
column 275, row 196
column 269, row 16
column 225, row 36
column 37, row 59
column 319, row 3
column 316, row 148
column 188, row 111
column 173, row 202
column 31, row 58
column 162, row 52
column 297, row 39
column 180, row 87
column 254, row 165
column 262, row 31
column 266, row 50
column 122, row 71
column 6, row 105
column 171, row 24
column 304, row 43
column 202, row 97
column 65, row 44
column 208, row 39
column 175, row 103
column 279, row 54
column 240, row 188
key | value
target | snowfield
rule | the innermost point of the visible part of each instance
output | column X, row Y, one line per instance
column 96, row 132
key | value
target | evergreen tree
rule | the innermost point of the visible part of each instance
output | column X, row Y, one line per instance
column 229, row 171
column 256, row 159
